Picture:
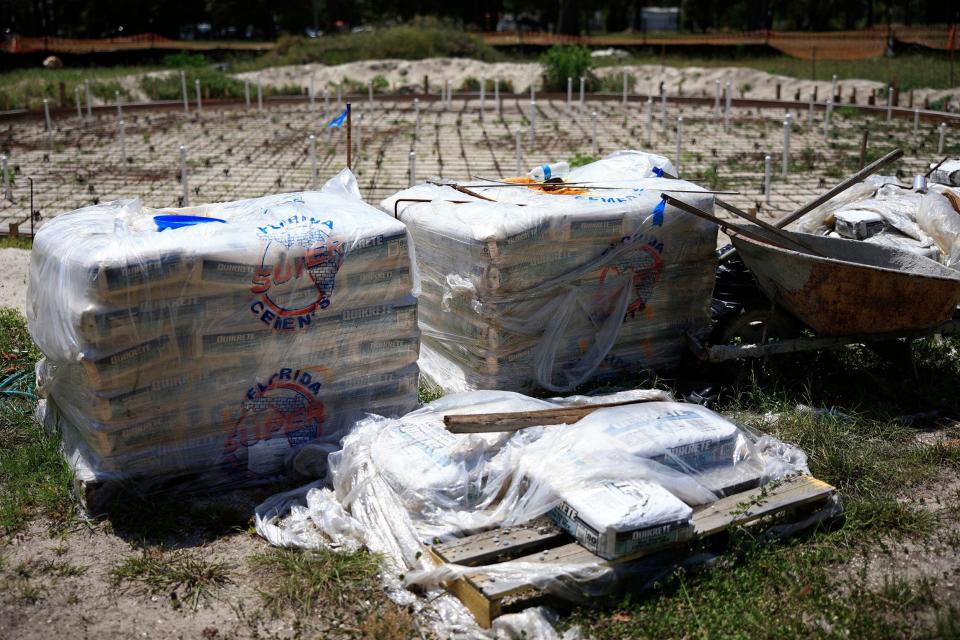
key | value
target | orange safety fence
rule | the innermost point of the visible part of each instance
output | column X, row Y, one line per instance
column 842, row 45
column 834, row 45
column 945, row 39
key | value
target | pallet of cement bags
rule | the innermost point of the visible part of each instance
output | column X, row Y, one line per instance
column 544, row 502
column 206, row 345
column 527, row 286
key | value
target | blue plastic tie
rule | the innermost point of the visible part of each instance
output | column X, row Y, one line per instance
column 178, row 222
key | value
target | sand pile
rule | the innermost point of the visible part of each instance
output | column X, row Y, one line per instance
column 408, row 75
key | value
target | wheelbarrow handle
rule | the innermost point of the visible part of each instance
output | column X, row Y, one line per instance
column 870, row 169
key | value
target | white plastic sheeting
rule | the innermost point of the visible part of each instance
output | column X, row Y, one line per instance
column 212, row 342
column 398, row 484
column 923, row 223
column 524, row 288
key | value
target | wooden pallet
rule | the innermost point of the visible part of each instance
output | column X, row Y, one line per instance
column 483, row 595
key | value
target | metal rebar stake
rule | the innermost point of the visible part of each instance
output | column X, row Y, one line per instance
column 787, row 124
column 679, row 143
column 517, row 136
column 767, row 171
column 5, row 167
column 594, row 148
column 313, row 161
column 183, row 176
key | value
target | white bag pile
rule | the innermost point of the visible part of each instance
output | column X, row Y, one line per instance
column 620, row 480
column 525, row 288
column 216, row 340
column 926, row 224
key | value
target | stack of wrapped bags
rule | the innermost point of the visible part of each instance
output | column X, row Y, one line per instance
column 215, row 341
column 528, row 287
column 623, row 480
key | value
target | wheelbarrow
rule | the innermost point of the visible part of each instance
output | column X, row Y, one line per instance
column 828, row 292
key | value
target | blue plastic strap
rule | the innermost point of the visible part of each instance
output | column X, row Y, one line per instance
column 178, row 222
column 658, row 213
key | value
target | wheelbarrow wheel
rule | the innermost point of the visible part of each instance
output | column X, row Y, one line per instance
column 756, row 326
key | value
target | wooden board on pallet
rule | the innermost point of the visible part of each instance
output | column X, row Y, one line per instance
column 545, row 544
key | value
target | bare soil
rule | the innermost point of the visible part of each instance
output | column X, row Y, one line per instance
column 15, row 268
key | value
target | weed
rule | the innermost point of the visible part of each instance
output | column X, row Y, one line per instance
column 848, row 112
column 613, row 83
column 380, row 84
column 184, row 578
column 55, row 568
column 427, row 393
column 712, row 178
column 565, row 61
column 580, row 159
column 306, row 580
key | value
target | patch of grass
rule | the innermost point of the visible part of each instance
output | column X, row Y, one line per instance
column 769, row 591
column 26, row 88
column 20, row 242
column 179, row 575
column 305, row 581
column 46, row 567
column 213, row 84
column 34, row 478
column 414, row 41
column 843, row 410
column 580, row 159
column 184, row 59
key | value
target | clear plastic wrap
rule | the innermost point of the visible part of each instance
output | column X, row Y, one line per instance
column 524, row 288
column 937, row 217
column 947, row 173
column 925, row 224
column 460, row 484
column 211, row 342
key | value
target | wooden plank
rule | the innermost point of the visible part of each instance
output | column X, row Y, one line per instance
column 485, row 547
column 742, row 508
column 483, row 594
column 738, row 509
column 513, row 421
column 484, row 609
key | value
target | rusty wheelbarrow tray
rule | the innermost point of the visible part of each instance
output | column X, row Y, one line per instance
column 852, row 288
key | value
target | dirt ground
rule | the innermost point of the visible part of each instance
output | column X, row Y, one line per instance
column 15, row 267
column 38, row 603
column 63, row 584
